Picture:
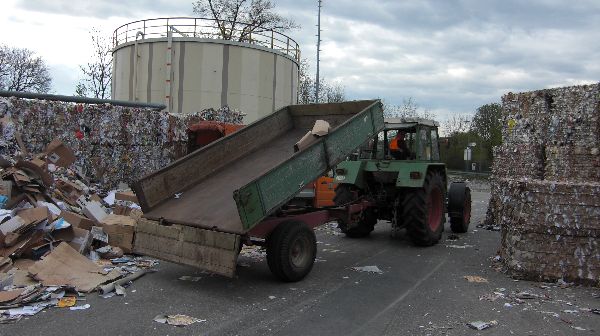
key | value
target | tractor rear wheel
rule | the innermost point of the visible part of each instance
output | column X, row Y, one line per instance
column 345, row 194
column 291, row 251
column 423, row 211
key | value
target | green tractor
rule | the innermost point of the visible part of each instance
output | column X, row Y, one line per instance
column 399, row 175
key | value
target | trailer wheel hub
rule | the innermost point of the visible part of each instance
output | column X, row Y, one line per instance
column 299, row 255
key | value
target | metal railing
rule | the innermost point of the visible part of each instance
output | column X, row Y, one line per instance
column 205, row 28
column 83, row 100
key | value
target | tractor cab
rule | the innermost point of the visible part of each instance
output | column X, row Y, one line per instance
column 404, row 139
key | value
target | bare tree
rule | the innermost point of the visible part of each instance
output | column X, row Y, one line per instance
column 329, row 92
column 334, row 92
column 409, row 108
column 98, row 72
column 456, row 124
column 306, row 92
column 238, row 19
column 21, row 70
column 4, row 68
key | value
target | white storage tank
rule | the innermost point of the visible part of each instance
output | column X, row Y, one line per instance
column 183, row 63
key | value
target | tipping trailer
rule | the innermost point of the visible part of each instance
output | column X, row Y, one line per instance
column 201, row 209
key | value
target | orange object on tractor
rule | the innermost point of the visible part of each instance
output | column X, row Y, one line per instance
column 317, row 194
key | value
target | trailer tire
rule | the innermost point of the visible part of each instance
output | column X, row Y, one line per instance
column 291, row 251
column 459, row 207
column 423, row 211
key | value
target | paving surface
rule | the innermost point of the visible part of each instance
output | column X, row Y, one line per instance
column 422, row 291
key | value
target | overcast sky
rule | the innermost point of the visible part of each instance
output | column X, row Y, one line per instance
column 450, row 56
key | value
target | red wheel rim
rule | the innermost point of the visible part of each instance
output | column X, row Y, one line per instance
column 435, row 209
column 467, row 210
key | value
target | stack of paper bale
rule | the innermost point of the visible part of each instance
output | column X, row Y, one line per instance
column 113, row 144
column 546, row 184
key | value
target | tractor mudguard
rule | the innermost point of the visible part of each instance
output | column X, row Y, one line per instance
column 350, row 172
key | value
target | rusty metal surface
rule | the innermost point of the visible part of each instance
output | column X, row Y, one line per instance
column 209, row 204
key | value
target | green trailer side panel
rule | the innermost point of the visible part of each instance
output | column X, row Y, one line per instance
column 354, row 133
column 274, row 187
column 292, row 175
column 249, row 204
column 281, row 183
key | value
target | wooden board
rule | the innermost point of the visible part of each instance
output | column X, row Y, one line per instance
column 205, row 249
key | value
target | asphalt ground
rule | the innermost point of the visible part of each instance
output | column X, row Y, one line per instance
column 422, row 291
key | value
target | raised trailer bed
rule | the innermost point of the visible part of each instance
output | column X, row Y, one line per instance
column 234, row 189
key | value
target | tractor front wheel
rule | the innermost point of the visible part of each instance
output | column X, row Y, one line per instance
column 423, row 211
column 365, row 223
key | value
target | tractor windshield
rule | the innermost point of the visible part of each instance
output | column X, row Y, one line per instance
column 393, row 144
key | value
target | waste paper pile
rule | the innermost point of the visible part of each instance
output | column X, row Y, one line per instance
column 61, row 236
column 112, row 144
column 67, row 215
column 546, row 184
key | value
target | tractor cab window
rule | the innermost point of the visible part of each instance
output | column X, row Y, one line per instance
column 435, row 146
column 400, row 144
column 424, row 145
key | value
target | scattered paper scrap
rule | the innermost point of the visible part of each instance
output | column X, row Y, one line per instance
column 119, row 290
column 10, row 319
column 190, row 278
column 65, row 302
column 177, row 320
column 491, row 297
column 368, row 269
column 459, row 246
column 82, row 307
column 529, row 296
column 481, row 325
column 475, row 278
column 108, row 295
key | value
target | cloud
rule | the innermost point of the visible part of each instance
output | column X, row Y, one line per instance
column 451, row 56
column 457, row 55
column 64, row 78
column 108, row 8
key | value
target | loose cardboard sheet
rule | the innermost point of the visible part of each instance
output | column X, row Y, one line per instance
column 66, row 267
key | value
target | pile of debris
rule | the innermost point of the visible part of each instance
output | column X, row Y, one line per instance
column 61, row 236
column 112, row 144
column 546, row 184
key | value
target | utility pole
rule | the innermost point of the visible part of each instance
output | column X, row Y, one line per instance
column 318, row 53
